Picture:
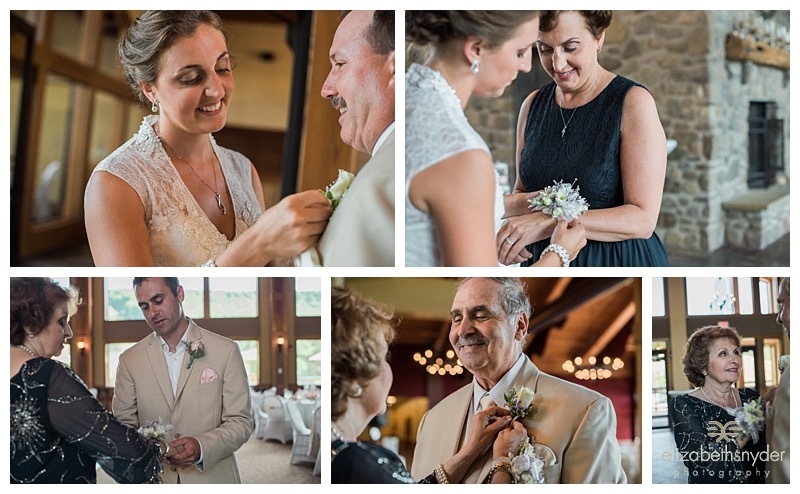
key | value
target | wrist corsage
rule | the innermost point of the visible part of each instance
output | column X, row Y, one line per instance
column 751, row 419
column 560, row 201
column 527, row 466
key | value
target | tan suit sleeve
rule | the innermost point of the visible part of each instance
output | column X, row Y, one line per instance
column 593, row 456
column 123, row 404
column 237, row 423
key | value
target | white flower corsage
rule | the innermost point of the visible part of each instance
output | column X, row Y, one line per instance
column 751, row 419
column 527, row 466
column 157, row 429
column 560, row 201
column 337, row 190
column 519, row 402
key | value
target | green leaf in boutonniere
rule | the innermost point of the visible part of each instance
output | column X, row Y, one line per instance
column 336, row 191
column 519, row 402
column 196, row 350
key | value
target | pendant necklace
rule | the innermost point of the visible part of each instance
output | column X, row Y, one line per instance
column 214, row 189
column 565, row 122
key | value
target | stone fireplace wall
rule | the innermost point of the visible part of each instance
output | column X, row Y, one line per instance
column 703, row 102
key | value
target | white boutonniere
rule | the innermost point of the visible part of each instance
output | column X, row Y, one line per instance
column 196, row 350
column 560, row 201
column 519, row 403
column 336, row 191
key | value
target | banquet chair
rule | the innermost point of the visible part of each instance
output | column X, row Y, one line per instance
column 277, row 425
column 256, row 397
column 301, row 436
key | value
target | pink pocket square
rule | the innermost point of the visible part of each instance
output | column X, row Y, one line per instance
column 208, row 375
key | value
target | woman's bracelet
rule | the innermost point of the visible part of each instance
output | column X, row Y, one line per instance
column 558, row 249
column 163, row 448
column 441, row 477
column 211, row 263
column 499, row 466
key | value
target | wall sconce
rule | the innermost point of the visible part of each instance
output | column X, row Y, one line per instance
column 81, row 344
column 281, row 341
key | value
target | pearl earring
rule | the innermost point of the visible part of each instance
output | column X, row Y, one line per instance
column 475, row 67
column 357, row 391
column 154, row 106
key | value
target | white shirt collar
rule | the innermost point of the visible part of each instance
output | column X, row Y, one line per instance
column 503, row 385
column 382, row 138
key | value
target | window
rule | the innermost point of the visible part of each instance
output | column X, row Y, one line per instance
column 249, row 349
column 745, row 299
column 233, row 297
column 659, row 386
column 659, row 302
column 113, row 351
column 765, row 297
column 307, row 297
column 66, row 355
column 709, row 296
column 121, row 302
column 309, row 368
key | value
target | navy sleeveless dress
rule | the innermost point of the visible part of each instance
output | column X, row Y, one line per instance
column 589, row 152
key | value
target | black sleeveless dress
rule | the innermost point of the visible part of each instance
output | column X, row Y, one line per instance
column 588, row 154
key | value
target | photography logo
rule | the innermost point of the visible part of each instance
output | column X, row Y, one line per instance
column 727, row 432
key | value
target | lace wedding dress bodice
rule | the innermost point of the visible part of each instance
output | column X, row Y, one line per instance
column 180, row 232
column 436, row 129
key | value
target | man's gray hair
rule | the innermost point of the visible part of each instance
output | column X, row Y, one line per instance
column 514, row 296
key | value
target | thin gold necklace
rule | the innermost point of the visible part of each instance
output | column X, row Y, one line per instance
column 214, row 189
column 565, row 122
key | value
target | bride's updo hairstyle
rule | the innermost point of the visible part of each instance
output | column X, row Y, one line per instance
column 437, row 33
column 153, row 33
column 597, row 21
column 360, row 331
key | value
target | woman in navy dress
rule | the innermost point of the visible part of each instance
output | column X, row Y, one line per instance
column 598, row 130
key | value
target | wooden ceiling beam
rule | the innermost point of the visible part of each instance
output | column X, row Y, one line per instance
column 619, row 322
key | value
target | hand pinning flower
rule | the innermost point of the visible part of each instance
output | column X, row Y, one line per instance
column 337, row 190
column 196, row 350
column 519, row 403
column 751, row 419
column 560, row 201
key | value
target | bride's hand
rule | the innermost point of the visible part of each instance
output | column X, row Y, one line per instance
column 571, row 236
column 294, row 224
column 485, row 426
column 520, row 231
column 509, row 440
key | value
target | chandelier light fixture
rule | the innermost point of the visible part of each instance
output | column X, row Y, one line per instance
column 441, row 365
column 591, row 369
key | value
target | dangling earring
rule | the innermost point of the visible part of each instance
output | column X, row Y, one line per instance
column 154, row 106
column 356, row 391
column 475, row 67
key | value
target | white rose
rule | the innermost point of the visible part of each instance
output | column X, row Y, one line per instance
column 340, row 186
column 525, row 397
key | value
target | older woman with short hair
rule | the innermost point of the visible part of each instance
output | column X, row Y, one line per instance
column 712, row 363
column 360, row 382
column 59, row 431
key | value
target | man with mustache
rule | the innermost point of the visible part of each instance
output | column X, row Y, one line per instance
column 188, row 377
column 574, row 429
column 360, row 86
column 779, row 438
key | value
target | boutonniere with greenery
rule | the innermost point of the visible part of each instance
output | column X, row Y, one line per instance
column 336, row 191
column 519, row 403
column 196, row 350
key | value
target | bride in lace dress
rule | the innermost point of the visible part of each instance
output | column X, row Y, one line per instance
column 454, row 205
column 171, row 196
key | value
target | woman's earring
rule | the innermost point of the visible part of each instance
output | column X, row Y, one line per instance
column 30, row 335
column 475, row 67
column 154, row 106
column 357, row 391
column 705, row 373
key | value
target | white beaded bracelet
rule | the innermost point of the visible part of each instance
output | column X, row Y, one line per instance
column 561, row 251
column 211, row 263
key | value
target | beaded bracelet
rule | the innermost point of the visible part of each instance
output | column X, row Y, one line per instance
column 441, row 477
column 561, row 251
column 211, row 263
column 500, row 466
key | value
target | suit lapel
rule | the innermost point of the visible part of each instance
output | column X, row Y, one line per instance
column 155, row 355
column 192, row 334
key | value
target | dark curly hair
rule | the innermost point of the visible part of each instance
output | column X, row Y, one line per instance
column 153, row 33
column 441, row 28
column 597, row 21
column 33, row 303
column 697, row 351
column 359, row 330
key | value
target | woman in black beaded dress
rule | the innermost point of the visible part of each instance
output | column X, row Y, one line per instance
column 712, row 448
column 59, row 431
column 360, row 382
column 598, row 130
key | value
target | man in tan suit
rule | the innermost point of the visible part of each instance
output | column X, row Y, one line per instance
column 360, row 86
column 574, row 428
column 203, row 393
column 779, row 437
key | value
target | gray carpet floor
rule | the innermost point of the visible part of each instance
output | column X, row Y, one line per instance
column 262, row 462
